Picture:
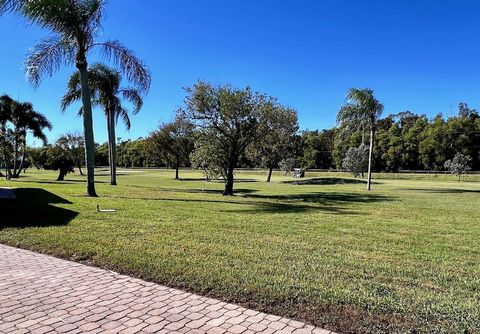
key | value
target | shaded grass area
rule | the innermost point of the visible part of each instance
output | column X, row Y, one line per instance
column 402, row 258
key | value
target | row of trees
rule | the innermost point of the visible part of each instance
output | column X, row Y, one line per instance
column 401, row 141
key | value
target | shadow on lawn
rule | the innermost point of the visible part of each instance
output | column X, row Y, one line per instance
column 328, row 181
column 445, row 190
column 328, row 202
column 67, row 181
column 32, row 208
column 295, row 203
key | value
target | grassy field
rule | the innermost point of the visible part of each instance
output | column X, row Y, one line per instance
column 402, row 258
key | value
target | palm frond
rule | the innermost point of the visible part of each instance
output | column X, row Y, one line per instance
column 74, row 91
column 133, row 96
column 122, row 113
column 134, row 69
column 10, row 5
column 46, row 57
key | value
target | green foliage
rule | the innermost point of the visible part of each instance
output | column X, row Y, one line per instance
column 275, row 135
column 132, row 153
column 73, row 144
column 171, row 143
column 58, row 158
column 228, row 120
column 459, row 164
column 17, row 120
column 317, row 149
column 356, row 160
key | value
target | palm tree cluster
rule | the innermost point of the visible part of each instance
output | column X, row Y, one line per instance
column 74, row 26
column 17, row 119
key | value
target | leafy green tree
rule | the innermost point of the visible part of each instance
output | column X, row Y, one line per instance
column 361, row 110
column 59, row 159
column 73, row 144
column 37, row 156
column 133, row 153
column 318, row 147
column 274, row 142
column 75, row 26
column 436, row 145
column 104, row 83
column 356, row 160
column 207, row 157
column 172, row 143
column 459, row 164
column 227, row 119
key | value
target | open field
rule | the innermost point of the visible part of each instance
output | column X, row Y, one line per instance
column 404, row 257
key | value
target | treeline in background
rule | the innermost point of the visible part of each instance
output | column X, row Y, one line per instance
column 404, row 141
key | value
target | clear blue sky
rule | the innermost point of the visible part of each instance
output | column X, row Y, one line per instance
column 422, row 56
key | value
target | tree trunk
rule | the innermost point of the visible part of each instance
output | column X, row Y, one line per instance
column 370, row 158
column 269, row 177
column 80, row 169
column 8, row 173
column 177, row 167
column 22, row 161
column 229, row 182
column 61, row 176
column 87, row 126
column 111, row 148
column 15, row 154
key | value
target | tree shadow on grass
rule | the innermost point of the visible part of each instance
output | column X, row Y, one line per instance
column 33, row 207
column 202, row 179
column 328, row 181
column 336, row 203
column 68, row 181
column 445, row 190
column 319, row 201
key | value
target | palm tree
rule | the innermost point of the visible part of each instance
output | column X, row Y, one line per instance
column 361, row 110
column 104, row 83
column 25, row 119
column 16, row 120
column 75, row 25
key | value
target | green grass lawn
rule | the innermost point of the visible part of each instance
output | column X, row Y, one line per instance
column 402, row 258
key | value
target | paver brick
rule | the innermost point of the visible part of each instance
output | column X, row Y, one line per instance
column 42, row 294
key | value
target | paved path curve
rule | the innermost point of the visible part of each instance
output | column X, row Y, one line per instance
column 43, row 294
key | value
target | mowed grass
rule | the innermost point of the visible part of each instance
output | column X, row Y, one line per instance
column 402, row 258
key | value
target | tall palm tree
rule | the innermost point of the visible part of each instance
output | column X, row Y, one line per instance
column 75, row 25
column 361, row 110
column 104, row 83
column 16, row 120
column 25, row 119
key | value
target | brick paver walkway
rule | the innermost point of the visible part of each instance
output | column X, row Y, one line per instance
column 43, row 294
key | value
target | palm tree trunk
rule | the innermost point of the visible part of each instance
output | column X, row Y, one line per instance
column 15, row 154
column 8, row 173
column 22, row 161
column 111, row 148
column 87, row 127
column 269, row 177
column 370, row 158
